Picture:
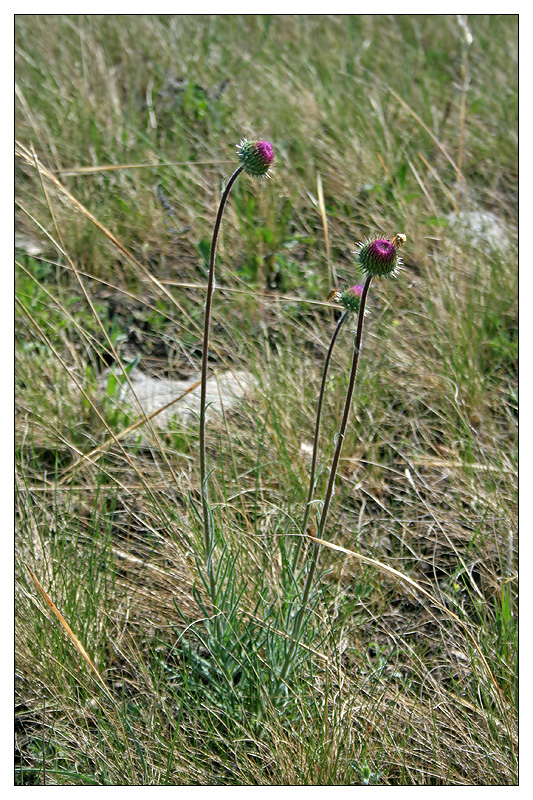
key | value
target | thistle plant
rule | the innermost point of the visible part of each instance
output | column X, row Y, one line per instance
column 350, row 299
column 375, row 258
column 256, row 158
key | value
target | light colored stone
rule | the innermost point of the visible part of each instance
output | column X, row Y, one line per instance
column 224, row 388
column 28, row 245
column 481, row 225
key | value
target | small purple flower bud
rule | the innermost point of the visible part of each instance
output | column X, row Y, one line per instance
column 379, row 257
column 256, row 157
column 350, row 298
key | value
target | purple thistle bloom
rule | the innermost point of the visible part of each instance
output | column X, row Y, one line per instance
column 256, row 157
column 350, row 298
column 265, row 151
column 379, row 257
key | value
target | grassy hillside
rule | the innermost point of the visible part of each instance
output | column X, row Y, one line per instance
column 126, row 129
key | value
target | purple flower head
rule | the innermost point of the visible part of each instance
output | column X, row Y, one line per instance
column 256, row 157
column 379, row 257
column 350, row 298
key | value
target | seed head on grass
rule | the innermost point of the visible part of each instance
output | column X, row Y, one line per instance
column 256, row 157
column 379, row 257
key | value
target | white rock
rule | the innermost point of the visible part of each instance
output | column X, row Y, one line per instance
column 482, row 225
column 226, row 388
column 28, row 245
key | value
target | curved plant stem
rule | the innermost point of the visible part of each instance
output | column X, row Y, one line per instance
column 314, row 460
column 208, row 537
column 331, row 482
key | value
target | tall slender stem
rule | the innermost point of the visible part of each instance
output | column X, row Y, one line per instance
column 331, row 482
column 314, row 460
column 347, row 405
column 208, row 538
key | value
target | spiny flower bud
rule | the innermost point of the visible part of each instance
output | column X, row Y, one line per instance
column 350, row 298
column 379, row 257
column 256, row 157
